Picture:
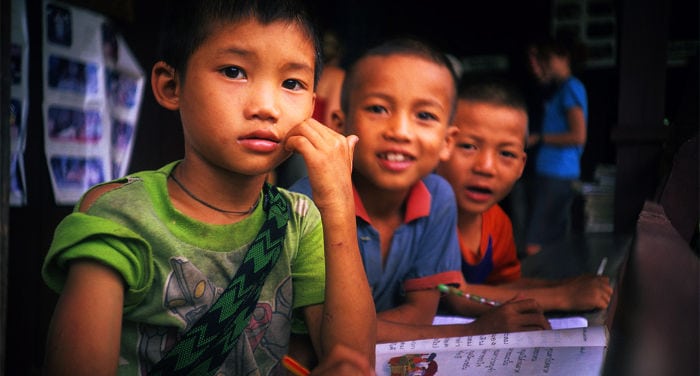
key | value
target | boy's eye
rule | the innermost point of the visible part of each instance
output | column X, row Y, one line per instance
column 466, row 146
column 233, row 72
column 376, row 109
column 508, row 154
column 292, row 84
column 427, row 116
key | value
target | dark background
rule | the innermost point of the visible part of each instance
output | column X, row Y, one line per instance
column 462, row 28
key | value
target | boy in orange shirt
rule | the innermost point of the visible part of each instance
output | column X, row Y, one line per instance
column 488, row 158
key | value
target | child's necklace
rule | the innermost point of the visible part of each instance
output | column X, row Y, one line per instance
column 210, row 206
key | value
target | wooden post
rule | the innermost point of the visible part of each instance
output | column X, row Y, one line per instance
column 639, row 134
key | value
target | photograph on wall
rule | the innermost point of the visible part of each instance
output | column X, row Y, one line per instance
column 19, row 92
column 93, row 88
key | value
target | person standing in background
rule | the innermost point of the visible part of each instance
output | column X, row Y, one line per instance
column 561, row 142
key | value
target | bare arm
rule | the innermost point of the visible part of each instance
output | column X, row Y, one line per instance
column 513, row 316
column 413, row 320
column 419, row 308
column 410, row 320
column 85, row 330
column 580, row 293
column 348, row 317
column 343, row 361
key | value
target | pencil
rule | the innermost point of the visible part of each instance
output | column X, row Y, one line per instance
column 601, row 268
column 476, row 298
column 294, row 367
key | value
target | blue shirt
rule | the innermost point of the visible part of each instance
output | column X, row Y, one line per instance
column 554, row 160
column 424, row 251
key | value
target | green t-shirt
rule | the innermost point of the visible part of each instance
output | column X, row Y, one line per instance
column 175, row 267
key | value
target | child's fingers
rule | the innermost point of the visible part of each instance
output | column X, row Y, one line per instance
column 517, row 297
column 303, row 135
column 320, row 145
column 352, row 142
column 328, row 157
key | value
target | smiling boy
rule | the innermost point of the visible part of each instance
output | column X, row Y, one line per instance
column 399, row 99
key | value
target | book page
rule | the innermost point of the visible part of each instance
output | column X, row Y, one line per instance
column 555, row 322
column 578, row 351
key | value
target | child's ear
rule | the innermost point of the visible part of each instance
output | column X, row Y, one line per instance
column 450, row 135
column 337, row 121
column 165, row 85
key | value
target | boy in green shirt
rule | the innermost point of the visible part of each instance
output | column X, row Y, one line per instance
column 141, row 262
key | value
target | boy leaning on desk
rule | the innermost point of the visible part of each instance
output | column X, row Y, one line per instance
column 488, row 158
column 399, row 99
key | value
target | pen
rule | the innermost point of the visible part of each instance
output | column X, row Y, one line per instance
column 601, row 268
column 294, row 367
column 476, row 298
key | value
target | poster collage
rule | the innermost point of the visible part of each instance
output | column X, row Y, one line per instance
column 92, row 88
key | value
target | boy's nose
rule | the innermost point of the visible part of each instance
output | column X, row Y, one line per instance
column 398, row 128
column 263, row 103
column 484, row 163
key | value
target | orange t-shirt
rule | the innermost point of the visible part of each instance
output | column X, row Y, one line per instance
column 501, row 258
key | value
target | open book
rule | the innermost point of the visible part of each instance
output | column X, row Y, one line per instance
column 577, row 351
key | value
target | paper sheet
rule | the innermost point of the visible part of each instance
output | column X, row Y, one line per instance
column 555, row 322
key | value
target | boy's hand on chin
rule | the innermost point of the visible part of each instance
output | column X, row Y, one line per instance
column 328, row 157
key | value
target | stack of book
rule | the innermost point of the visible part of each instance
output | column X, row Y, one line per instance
column 599, row 197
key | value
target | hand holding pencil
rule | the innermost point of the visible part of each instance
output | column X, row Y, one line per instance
column 515, row 315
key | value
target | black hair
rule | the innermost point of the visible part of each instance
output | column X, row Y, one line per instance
column 410, row 46
column 563, row 44
column 493, row 90
column 187, row 23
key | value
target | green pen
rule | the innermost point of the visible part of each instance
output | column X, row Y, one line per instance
column 476, row 298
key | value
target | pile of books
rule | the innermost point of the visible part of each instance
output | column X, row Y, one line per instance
column 599, row 197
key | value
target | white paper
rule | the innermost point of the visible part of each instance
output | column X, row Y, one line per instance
column 578, row 351
column 555, row 322
column 93, row 87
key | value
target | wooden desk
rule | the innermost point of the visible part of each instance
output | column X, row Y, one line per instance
column 579, row 254
column 656, row 329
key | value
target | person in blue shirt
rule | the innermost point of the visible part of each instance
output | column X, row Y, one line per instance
column 561, row 143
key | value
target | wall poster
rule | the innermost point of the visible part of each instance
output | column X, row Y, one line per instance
column 19, row 93
column 93, row 87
